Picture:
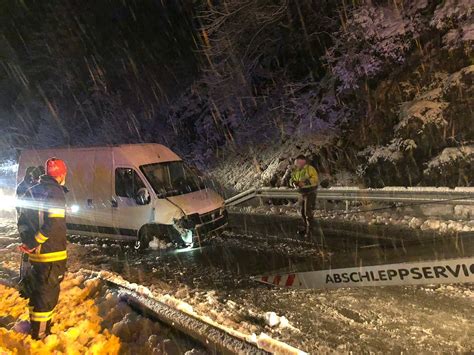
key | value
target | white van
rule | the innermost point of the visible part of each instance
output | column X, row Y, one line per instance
column 134, row 192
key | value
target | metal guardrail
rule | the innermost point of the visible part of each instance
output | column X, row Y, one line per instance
column 457, row 196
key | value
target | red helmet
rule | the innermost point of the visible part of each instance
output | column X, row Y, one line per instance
column 55, row 167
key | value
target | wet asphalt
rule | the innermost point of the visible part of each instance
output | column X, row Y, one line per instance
column 268, row 250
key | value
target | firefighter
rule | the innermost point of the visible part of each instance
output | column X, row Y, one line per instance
column 305, row 178
column 31, row 178
column 43, row 225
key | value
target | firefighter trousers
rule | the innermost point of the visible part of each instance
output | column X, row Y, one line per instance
column 42, row 289
column 308, row 203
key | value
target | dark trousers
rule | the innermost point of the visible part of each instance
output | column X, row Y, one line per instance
column 42, row 288
column 308, row 203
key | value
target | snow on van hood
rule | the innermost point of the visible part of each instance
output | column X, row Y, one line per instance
column 201, row 201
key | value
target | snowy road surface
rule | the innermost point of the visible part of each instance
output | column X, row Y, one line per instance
column 215, row 280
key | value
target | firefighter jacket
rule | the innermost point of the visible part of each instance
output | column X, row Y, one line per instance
column 308, row 176
column 21, row 190
column 23, row 187
column 42, row 222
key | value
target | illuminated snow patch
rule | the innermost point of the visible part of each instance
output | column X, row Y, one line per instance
column 9, row 167
column 7, row 201
column 157, row 244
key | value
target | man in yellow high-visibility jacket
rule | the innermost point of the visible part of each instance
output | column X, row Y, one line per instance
column 305, row 178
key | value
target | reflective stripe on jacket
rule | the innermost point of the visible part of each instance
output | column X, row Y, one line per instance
column 48, row 257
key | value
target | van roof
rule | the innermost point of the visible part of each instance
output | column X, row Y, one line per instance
column 135, row 154
column 142, row 154
column 95, row 147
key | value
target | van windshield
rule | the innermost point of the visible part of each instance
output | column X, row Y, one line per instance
column 171, row 178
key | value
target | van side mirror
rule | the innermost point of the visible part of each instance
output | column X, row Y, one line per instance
column 142, row 197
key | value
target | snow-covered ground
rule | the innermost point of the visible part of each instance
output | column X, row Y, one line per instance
column 90, row 318
column 214, row 281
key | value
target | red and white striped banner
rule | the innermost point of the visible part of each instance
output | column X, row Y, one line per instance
column 287, row 280
column 416, row 273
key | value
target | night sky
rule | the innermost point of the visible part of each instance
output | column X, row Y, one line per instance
column 70, row 61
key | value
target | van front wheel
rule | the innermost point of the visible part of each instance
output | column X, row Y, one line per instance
column 143, row 240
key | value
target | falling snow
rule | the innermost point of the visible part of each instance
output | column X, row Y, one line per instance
column 374, row 93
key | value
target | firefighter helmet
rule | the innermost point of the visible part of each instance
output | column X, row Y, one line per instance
column 55, row 167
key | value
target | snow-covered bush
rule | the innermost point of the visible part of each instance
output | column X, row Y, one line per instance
column 422, row 122
column 454, row 166
column 385, row 165
column 373, row 39
column 450, row 13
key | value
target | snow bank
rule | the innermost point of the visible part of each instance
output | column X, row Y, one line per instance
column 273, row 346
column 77, row 325
column 90, row 319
